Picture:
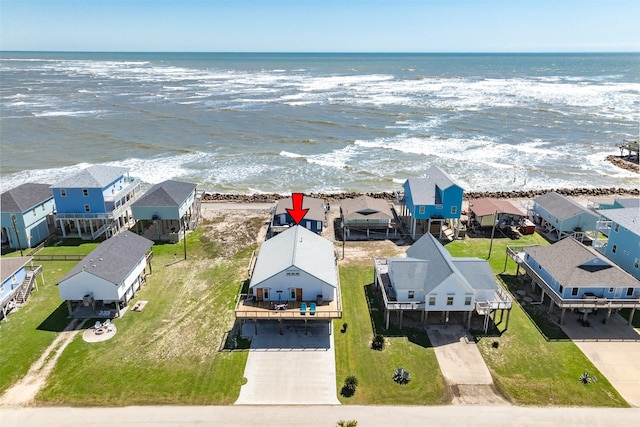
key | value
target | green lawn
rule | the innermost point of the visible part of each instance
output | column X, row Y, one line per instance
column 374, row 369
column 526, row 367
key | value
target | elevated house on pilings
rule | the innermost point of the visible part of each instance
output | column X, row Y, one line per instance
column 17, row 280
column 431, row 202
column 430, row 280
column 169, row 208
column 103, row 283
column 365, row 217
column 96, row 201
column 313, row 220
column 560, row 216
column 26, row 212
column 576, row 278
column 618, row 237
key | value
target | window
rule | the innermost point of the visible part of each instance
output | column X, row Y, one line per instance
column 560, row 289
column 432, row 300
column 265, row 293
column 467, row 300
column 422, row 210
column 438, row 206
column 574, row 292
column 43, row 207
column 34, row 212
column 1, row 288
column 614, row 248
column 411, row 294
column 85, row 192
column 629, row 292
column 87, row 208
column 616, row 228
column 63, row 192
column 293, row 293
column 450, row 300
column 539, row 267
column 454, row 210
column 610, row 290
column 636, row 263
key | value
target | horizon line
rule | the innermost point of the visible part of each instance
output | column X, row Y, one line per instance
column 331, row 52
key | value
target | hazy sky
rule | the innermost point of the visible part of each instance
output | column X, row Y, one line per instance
column 321, row 25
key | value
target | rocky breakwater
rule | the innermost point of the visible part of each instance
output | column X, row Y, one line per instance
column 625, row 163
column 522, row 194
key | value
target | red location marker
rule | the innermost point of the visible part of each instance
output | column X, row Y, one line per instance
column 297, row 213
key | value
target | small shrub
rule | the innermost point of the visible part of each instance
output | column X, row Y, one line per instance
column 349, row 387
column 495, row 344
column 378, row 342
column 350, row 423
column 585, row 378
column 344, row 327
column 401, row 376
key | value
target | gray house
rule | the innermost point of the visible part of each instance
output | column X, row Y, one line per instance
column 561, row 216
column 366, row 217
column 26, row 213
column 172, row 206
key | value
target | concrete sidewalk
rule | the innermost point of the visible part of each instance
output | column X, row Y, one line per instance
column 292, row 368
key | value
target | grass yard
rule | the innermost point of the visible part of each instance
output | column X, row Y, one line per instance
column 374, row 369
column 169, row 352
column 527, row 368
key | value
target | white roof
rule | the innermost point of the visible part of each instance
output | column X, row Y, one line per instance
column 297, row 247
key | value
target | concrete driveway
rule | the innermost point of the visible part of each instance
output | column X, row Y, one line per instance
column 462, row 366
column 292, row 368
column 613, row 348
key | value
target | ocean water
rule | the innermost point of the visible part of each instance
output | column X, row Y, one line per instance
column 254, row 123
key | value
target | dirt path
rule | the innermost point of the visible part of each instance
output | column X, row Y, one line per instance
column 25, row 390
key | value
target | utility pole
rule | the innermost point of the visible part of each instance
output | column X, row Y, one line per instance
column 184, row 236
column 15, row 230
column 493, row 232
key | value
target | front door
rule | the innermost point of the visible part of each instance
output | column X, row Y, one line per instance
column 259, row 294
column 299, row 294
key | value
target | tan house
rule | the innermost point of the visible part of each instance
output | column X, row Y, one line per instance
column 366, row 217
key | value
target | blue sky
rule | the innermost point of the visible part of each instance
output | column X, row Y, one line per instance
column 321, row 25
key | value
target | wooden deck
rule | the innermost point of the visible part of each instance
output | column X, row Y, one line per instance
column 264, row 310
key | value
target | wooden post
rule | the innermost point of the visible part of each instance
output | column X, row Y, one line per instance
column 400, row 315
column 550, row 305
column 508, row 315
column 69, row 308
column 633, row 311
column 606, row 320
column 280, row 326
column 386, row 321
column 255, row 326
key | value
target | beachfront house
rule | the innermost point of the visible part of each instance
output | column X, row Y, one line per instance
column 430, row 280
column 26, row 213
column 430, row 202
column 618, row 238
column 17, row 279
column 103, row 283
column 486, row 213
column 169, row 209
column 313, row 220
column 96, row 201
column 560, row 216
column 368, row 218
column 576, row 277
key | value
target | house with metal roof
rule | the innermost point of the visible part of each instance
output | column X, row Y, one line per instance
column 487, row 212
column 575, row 276
column 313, row 220
column 26, row 212
column 432, row 200
column 18, row 277
column 619, row 238
column 103, row 283
column 170, row 208
column 96, row 201
column 560, row 216
column 368, row 217
column 430, row 280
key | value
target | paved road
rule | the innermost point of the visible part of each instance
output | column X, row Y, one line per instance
column 327, row 416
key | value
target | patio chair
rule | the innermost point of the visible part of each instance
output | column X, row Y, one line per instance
column 98, row 325
column 312, row 310
column 303, row 308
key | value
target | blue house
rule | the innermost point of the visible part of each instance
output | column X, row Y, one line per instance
column 173, row 206
column 576, row 277
column 27, row 211
column 621, row 228
column 432, row 200
column 562, row 217
column 17, row 279
column 96, row 201
column 313, row 220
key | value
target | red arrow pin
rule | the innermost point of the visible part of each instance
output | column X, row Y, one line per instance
column 297, row 213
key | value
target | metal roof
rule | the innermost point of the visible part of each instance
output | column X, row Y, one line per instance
column 423, row 190
column 297, row 247
column 486, row 206
column 628, row 218
column 575, row 265
column 366, row 207
column 167, row 193
column 24, row 197
column 560, row 206
column 96, row 176
column 114, row 258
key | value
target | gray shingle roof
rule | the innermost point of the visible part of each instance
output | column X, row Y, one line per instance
column 423, row 190
column 560, row 206
column 297, row 247
column 10, row 265
column 114, row 258
column 629, row 203
column 315, row 206
column 24, row 197
column 96, row 176
column 428, row 248
column 628, row 218
column 574, row 265
column 167, row 193
column 365, row 207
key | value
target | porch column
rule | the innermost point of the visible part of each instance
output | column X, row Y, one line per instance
column 562, row 316
column 255, row 326
column 69, row 308
column 542, row 295
column 78, row 227
column 386, row 318
column 508, row 315
column 64, row 232
column 413, row 227
column 401, row 311
column 469, row 320
column 426, row 317
column 550, row 305
column 606, row 320
column 633, row 311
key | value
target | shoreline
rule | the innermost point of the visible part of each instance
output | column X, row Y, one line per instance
column 519, row 194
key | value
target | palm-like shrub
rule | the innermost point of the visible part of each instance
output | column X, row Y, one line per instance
column 401, row 376
column 585, row 378
column 378, row 342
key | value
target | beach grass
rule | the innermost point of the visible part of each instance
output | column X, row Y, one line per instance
column 534, row 362
column 409, row 348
